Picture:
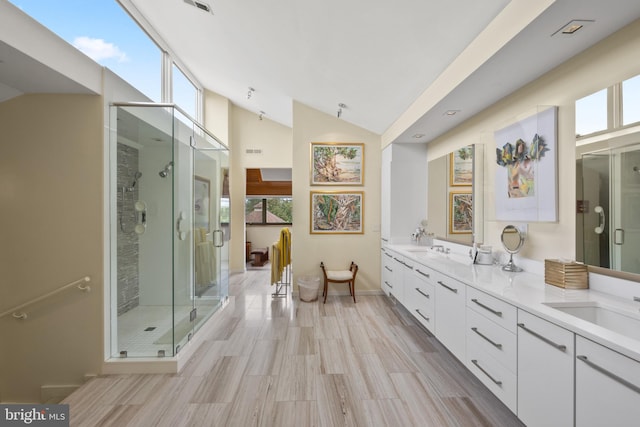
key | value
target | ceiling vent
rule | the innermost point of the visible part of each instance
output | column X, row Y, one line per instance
column 200, row 5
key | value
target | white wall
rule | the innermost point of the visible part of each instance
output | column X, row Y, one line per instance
column 337, row 251
column 600, row 66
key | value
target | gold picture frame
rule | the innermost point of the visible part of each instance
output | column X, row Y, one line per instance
column 460, row 212
column 461, row 167
column 334, row 163
column 336, row 212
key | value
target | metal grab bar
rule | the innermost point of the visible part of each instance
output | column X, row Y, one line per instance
column 81, row 284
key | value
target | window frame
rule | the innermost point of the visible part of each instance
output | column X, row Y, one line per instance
column 264, row 200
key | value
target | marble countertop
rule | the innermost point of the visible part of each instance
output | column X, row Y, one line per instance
column 528, row 291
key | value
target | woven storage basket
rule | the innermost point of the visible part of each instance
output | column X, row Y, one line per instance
column 567, row 275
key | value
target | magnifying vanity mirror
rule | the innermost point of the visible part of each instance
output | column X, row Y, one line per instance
column 512, row 240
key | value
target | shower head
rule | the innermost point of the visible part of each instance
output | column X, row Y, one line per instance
column 136, row 177
column 164, row 172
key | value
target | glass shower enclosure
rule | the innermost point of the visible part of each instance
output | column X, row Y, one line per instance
column 168, row 229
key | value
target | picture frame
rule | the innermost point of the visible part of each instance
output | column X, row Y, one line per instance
column 460, row 212
column 201, row 200
column 336, row 212
column 335, row 163
column 526, row 180
column 461, row 166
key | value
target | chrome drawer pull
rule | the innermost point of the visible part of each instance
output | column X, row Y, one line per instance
column 424, row 274
column 389, row 255
column 495, row 344
column 423, row 294
column 475, row 362
column 636, row 299
column 388, row 284
column 388, row 268
column 497, row 313
column 422, row 315
column 560, row 347
column 610, row 374
column 451, row 289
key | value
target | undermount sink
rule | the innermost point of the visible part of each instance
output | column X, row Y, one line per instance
column 625, row 322
column 418, row 249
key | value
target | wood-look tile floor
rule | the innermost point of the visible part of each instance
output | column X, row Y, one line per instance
column 282, row 362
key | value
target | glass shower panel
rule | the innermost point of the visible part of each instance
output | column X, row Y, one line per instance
column 595, row 202
column 141, row 289
column 184, row 315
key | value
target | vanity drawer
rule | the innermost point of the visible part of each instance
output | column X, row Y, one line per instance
column 498, row 311
column 495, row 376
column 496, row 341
column 420, row 301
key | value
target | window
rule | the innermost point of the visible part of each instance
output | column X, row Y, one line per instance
column 631, row 100
column 106, row 33
column 591, row 113
column 268, row 210
column 184, row 92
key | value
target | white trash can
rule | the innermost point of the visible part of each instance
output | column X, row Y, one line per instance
column 308, row 288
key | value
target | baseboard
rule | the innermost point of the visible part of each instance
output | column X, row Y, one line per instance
column 368, row 292
column 56, row 393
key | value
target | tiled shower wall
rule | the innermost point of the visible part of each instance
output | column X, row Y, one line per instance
column 128, row 248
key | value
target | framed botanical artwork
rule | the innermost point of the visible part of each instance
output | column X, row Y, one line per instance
column 461, row 166
column 334, row 212
column 201, row 200
column 337, row 164
column 526, row 183
column 460, row 212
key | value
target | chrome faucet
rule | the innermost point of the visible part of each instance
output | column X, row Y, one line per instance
column 438, row 248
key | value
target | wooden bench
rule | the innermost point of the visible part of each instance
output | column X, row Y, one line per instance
column 260, row 256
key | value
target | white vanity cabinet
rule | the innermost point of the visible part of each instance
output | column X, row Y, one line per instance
column 450, row 313
column 387, row 271
column 545, row 373
column 403, row 184
column 420, row 295
column 607, row 386
column 492, row 344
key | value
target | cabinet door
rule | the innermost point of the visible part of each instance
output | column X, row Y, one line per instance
column 607, row 387
column 387, row 272
column 450, row 314
column 545, row 372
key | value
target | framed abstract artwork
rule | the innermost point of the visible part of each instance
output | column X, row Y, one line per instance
column 334, row 212
column 337, row 164
column 526, row 180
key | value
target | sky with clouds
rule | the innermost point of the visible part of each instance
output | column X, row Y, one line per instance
column 102, row 30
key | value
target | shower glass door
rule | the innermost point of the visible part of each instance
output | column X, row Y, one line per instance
column 210, row 174
column 610, row 203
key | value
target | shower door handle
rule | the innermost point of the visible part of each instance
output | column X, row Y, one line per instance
column 600, row 228
column 218, row 238
column 618, row 237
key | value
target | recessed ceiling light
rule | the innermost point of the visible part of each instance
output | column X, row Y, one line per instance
column 418, row 135
column 451, row 112
column 573, row 26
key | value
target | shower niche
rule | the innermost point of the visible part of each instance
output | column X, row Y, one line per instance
column 168, row 229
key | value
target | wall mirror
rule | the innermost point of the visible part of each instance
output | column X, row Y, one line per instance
column 455, row 195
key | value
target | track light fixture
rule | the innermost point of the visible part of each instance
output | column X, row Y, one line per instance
column 262, row 114
column 340, row 107
column 250, row 92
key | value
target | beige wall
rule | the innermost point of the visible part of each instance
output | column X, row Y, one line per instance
column 604, row 64
column 338, row 250
column 245, row 131
column 51, row 217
